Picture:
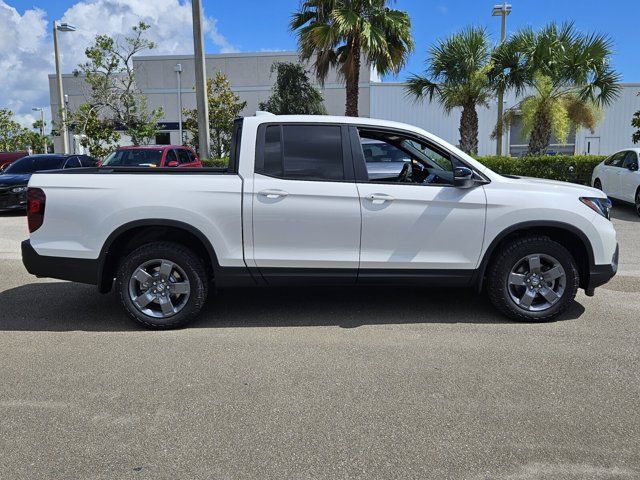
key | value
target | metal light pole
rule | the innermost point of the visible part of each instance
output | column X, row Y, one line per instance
column 178, row 69
column 201, row 81
column 501, row 11
column 62, row 27
column 44, row 139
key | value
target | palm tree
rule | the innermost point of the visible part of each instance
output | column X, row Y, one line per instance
column 457, row 76
column 338, row 32
column 564, row 76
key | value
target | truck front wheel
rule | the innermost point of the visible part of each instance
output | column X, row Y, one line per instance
column 533, row 279
column 162, row 285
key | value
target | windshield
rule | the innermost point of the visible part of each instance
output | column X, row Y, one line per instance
column 134, row 158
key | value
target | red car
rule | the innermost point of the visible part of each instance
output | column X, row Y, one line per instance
column 153, row 156
column 6, row 158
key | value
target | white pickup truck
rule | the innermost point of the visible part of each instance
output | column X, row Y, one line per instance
column 320, row 200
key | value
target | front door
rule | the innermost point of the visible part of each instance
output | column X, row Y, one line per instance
column 306, row 211
column 413, row 218
column 629, row 177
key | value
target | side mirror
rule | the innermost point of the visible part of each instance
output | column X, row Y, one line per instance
column 172, row 163
column 463, row 177
column 633, row 167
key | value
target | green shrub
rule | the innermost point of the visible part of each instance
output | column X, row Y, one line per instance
column 215, row 162
column 567, row 168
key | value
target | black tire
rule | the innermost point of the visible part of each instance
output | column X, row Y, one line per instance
column 508, row 257
column 597, row 184
column 638, row 202
column 183, row 259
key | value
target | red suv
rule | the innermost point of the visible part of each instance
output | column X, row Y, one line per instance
column 153, row 156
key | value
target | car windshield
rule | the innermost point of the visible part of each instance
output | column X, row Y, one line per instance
column 134, row 158
column 34, row 163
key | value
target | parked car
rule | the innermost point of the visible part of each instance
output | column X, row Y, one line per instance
column 619, row 178
column 6, row 158
column 14, row 178
column 153, row 156
column 297, row 205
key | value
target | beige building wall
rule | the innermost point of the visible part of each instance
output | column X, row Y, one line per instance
column 249, row 74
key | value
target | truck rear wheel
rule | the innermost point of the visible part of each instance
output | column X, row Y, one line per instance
column 162, row 285
column 533, row 279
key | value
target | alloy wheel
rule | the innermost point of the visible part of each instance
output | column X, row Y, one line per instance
column 159, row 288
column 536, row 282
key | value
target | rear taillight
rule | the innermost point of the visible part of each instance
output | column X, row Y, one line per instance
column 36, row 200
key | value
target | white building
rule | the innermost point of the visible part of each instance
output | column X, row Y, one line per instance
column 250, row 77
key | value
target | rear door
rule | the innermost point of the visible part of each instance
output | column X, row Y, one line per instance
column 415, row 220
column 306, row 211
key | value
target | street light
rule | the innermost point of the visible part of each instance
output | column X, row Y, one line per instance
column 501, row 11
column 178, row 69
column 61, row 27
column 44, row 139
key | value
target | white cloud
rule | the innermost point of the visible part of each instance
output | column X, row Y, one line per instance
column 26, row 45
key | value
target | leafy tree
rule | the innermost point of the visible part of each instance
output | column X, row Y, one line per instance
column 13, row 136
column 37, row 140
column 457, row 76
column 564, row 76
column 337, row 32
column 635, row 123
column 113, row 93
column 99, row 135
column 224, row 107
column 293, row 93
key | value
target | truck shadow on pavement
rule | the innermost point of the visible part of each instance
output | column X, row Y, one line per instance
column 63, row 306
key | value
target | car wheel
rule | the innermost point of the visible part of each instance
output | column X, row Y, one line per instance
column 597, row 184
column 533, row 279
column 162, row 285
column 638, row 202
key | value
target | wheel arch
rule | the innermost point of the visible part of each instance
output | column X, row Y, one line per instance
column 572, row 238
column 131, row 235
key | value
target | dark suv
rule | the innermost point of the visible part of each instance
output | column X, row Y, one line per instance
column 14, row 179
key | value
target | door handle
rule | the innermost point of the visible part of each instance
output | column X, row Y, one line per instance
column 273, row 193
column 379, row 198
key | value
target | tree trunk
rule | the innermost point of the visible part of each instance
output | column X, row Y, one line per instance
column 469, row 129
column 541, row 134
column 351, row 107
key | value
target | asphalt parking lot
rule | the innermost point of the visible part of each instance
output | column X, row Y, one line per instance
column 332, row 383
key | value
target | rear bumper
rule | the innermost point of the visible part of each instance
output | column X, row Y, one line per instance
column 601, row 274
column 73, row 269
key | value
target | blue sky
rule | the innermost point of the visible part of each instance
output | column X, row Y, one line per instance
column 258, row 25
column 254, row 25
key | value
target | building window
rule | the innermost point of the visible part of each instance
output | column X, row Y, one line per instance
column 519, row 145
column 163, row 138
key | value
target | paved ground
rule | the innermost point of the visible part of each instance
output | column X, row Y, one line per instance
column 397, row 383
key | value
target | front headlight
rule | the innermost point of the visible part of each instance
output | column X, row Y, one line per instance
column 598, row 205
column 18, row 189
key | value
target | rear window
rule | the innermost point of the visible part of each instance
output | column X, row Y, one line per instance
column 144, row 157
column 24, row 165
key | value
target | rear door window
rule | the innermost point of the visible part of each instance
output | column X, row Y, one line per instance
column 72, row 162
column 183, row 156
column 303, row 152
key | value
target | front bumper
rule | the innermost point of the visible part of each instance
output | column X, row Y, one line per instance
column 12, row 201
column 601, row 274
column 80, row 270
